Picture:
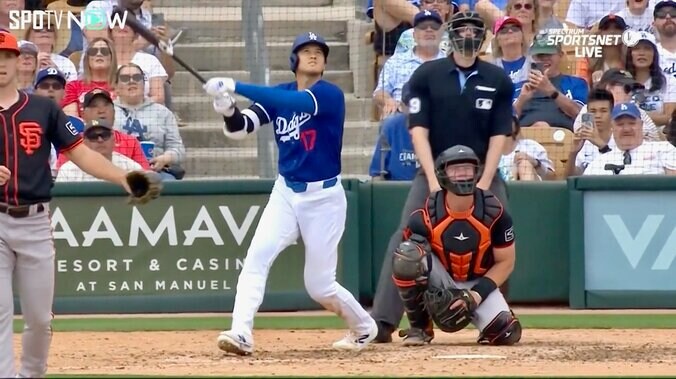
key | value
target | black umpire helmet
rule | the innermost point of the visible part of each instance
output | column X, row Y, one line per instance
column 456, row 155
column 306, row 39
column 460, row 24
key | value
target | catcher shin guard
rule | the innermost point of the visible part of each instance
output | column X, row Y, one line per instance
column 505, row 329
column 409, row 271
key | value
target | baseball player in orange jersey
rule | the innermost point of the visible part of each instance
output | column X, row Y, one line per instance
column 29, row 124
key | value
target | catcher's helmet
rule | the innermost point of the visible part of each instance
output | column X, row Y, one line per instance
column 306, row 39
column 456, row 155
column 458, row 32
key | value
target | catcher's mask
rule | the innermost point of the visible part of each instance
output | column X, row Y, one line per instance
column 465, row 174
column 466, row 33
column 303, row 40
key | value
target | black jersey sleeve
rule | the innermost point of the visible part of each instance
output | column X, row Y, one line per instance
column 62, row 134
column 502, row 231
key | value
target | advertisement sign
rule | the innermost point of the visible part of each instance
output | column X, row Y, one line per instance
column 630, row 240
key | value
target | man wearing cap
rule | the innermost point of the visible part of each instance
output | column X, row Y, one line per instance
column 399, row 68
column 638, row 14
column 622, row 85
column 98, row 105
column 98, row 136
column 445, row 9
column 548, row 97
column 633, row 156
column 665, row 26
column 586, row 13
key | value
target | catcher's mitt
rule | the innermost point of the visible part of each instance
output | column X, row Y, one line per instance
column 438, row 302
column 144, row 185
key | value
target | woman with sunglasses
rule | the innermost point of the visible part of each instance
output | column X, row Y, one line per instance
column 612, row 57
column 100, row 66
column 510, row 49
column 526, row 11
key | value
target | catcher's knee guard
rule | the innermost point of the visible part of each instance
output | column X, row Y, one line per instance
column 505, row 329
column 410, row 273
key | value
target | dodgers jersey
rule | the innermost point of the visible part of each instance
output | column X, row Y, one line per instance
column 309, row 144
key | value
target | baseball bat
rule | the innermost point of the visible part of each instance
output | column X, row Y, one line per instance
column 149, row 36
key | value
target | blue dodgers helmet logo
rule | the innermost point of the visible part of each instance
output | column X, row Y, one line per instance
column 289, row 130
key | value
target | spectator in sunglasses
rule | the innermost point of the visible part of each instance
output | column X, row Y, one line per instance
column 665, row 25
column 445, row 9
column 510, row 49
column 140, row 117
column 527, row 12
column 99, row 72
column 98, row 136
column 45, row 39
column 612, row 57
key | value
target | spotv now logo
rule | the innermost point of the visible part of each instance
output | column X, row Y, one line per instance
column 93, row 19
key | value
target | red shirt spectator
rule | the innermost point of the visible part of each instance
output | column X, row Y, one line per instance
column 76, row 90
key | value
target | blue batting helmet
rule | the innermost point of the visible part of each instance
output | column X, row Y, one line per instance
column 306, row 39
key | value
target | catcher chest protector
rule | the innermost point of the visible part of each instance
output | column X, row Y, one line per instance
column 410, row 270
column 505, row 329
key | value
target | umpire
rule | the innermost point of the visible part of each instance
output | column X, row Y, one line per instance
column 460, row 100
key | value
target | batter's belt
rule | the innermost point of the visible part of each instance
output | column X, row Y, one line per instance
column 21, row 211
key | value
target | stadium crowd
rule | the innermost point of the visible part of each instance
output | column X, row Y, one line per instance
column 572, row 115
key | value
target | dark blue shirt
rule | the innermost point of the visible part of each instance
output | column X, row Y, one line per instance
column 395, row 147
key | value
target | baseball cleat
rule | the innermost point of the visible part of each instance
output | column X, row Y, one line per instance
column 384, row 333
column 233, row 343
column 357, row 342
column 415, row 337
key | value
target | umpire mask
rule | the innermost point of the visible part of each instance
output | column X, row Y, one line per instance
column 461, row 183
column 466, row 33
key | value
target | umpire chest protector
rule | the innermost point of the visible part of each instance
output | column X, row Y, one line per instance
column 462, row 241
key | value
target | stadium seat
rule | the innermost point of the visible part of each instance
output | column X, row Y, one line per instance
column 557, row 141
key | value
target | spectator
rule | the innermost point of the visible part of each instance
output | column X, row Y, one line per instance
column 592, row 69
column 98, row 105
column 665, row 25
column 98, row 136
column 633, row 156
column 140, row 117
column 510, row 49
column 638, row 14
column 524, row 159
column 670, row 129
column 622, row 86
column 659, row 96
column 445, row 9
column 586, row 13
column 590, row 141
column 45, row 39
column 28, row 63
column 526, row 11
column 5, row 7
column 99, row 72
column 549, row 98
column 152, row 68
column 392, row 17
column 546, row 17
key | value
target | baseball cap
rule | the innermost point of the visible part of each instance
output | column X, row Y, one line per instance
column 625, row 109
column 612, row 19
column 9, row 42
column 427, row 15
column 617, row 76
column 542, row 45
column 662, row 4
column 50, row 72
column 91, row 95
column 27, row 47
column 100, row 123
column 504, row 20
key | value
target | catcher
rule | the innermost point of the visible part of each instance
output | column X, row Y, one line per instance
column 457, row 251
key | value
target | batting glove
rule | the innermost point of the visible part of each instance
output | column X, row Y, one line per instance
column 219, row 86
column 224, row 104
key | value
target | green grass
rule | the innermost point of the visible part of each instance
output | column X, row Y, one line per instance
column 583, row 321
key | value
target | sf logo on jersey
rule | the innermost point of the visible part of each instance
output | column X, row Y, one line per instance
column 289, row 130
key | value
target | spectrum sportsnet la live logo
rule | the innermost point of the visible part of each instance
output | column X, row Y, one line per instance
column 92, row 19
column 588, row 45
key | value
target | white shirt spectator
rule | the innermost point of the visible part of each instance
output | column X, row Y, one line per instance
column 654, row 101
column 650, row 158
column 640, row 23
column 66, row 66
column 650, row 131
column 530, row 147
column 69, row 172
column 151, row 66
column 585, row 13
column 667, row 61
column 590, row 152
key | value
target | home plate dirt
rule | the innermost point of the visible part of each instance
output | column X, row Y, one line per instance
column 309, row 353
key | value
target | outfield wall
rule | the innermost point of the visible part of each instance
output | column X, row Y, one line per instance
column 588, row 242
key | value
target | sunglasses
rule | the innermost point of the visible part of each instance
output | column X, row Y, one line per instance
column 94, row 51
column 435, row 1
column 662, row 13
column 126, row 78
column 95, row 134
column 50, row 85
column 428, row 25
column 519, row 6
column 509, row 28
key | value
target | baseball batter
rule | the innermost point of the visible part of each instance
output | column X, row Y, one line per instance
column 28, row 126
column 307, row 198
column 458, row 249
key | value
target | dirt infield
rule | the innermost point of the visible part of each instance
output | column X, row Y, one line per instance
column 308, row 353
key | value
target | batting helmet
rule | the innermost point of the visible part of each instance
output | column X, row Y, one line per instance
column 460, row 41
column 456, row 155
column 306, row 39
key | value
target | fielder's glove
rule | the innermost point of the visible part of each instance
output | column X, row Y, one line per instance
column 145, row 186
column 438, row 303
column 225, row 105
column 219, row 86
